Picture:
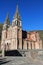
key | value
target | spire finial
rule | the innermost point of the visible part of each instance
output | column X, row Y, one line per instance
column 7, row 17
column 7, row 20
column 17, row 13
column 6, row 23
column 17, row 8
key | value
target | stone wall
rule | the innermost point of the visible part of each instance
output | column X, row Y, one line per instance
column 32, row 53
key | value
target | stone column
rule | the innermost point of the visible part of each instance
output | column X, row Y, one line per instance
column 32, row 45
column 3, row 52
column 25, row 44
column 3, row 48
column 20, row 43
column 29, row 45
column 40, row 44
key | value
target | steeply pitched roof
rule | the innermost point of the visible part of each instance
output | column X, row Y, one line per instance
column 17, row 15
column 7, row 21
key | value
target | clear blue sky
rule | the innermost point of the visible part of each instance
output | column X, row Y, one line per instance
column 31, row 12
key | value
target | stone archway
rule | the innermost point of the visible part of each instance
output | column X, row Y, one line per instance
column 7, row 46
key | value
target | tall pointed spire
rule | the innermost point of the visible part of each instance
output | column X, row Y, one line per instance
column 7, row 20
column 6, row 23
column 17, row 13
column 16, row 19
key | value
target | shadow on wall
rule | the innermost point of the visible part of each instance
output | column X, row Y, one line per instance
column 3, row 61
column 12, row 53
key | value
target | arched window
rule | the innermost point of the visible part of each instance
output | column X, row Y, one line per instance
column 18, row 23
column 7, row 46
column 15, row 22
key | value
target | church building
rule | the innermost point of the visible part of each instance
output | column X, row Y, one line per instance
column 13, row 37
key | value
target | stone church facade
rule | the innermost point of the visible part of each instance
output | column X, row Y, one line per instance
column 13, row 37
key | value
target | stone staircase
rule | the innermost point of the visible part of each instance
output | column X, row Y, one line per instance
column 26, row 53
column 32, row 53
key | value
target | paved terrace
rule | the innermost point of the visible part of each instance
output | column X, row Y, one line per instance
column 21, row 61
column 31, row 59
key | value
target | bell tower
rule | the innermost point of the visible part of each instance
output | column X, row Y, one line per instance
column 16, row 18
column 16, row 24
column 4, row 31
